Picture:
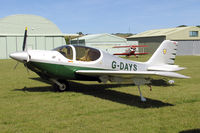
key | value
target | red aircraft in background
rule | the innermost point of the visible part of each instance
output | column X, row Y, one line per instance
column 131, row 50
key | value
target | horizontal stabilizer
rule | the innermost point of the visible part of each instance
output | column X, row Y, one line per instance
column 169, row 68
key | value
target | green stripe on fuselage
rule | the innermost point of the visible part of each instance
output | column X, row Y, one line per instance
column 60, row 71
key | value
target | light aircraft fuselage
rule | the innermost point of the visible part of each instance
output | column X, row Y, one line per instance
column 55, row 64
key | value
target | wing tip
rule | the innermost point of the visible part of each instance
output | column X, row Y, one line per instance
column 187, row 77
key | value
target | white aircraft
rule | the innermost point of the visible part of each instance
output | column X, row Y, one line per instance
column 70, row 62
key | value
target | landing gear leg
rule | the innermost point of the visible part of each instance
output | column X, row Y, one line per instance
column 142, row 98
column 60, row 85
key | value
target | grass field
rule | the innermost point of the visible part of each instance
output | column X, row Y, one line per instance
column 31, row 106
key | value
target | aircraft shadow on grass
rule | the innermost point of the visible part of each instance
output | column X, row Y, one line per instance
column 191, row 131
column 103, row 91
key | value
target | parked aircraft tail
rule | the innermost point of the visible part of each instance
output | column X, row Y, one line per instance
column 165, row 54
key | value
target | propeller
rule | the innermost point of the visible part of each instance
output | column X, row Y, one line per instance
column 24, row 45
column 24, row 49
column 24, row 42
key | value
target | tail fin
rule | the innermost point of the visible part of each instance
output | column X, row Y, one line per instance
column 165, row 54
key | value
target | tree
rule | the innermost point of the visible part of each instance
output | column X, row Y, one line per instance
column 80, row 33
column 182, row 26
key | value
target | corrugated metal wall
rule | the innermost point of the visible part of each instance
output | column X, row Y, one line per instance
column 185, row 47
column 10, row 44
column 3, row 48
column 188, row 47
column 152, row 42
column 78, row 42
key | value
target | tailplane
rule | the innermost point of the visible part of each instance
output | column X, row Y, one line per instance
column 165, row 54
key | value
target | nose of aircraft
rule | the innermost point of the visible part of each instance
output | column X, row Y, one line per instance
column 19, row 56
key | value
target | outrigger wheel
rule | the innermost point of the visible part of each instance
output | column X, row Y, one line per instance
column 63, row 86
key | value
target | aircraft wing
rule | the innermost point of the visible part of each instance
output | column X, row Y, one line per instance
column 121, row 46
column 131, row 74
column 141, row 53
column 130, row 54
column 121, row 54
column 130, row 46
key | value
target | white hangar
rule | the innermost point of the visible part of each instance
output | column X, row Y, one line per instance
column 105, row 42
column 42, row 34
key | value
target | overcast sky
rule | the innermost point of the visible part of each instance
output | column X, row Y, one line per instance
column 108, row 16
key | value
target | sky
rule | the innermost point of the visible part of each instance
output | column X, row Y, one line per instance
column 108, row 16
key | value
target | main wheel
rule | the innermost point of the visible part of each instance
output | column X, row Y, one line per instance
column 64, row 86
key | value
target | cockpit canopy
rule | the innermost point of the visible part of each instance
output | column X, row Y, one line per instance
column 82, row 53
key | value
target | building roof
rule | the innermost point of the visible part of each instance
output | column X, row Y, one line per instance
column 160, row 32
column 37, row 25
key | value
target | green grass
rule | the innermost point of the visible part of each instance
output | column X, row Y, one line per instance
column 31, row 106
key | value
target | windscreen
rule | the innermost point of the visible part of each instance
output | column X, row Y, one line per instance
column 65, row 51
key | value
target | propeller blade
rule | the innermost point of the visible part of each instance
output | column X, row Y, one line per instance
column 26, row 68
column 24, row 42
column 16, row 65
column 28, row 57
